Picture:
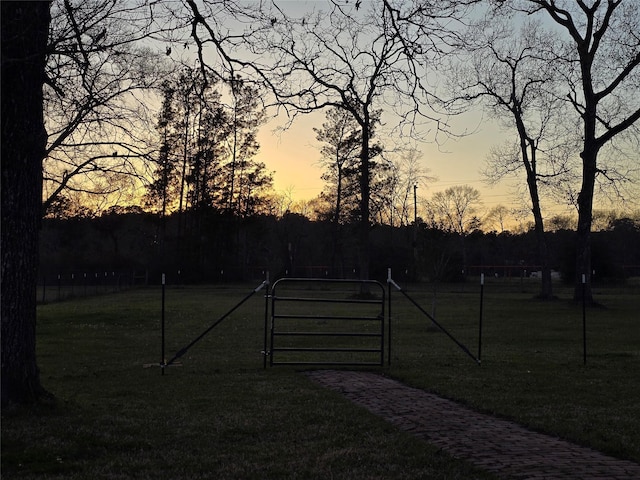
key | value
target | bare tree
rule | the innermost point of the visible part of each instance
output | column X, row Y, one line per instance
column 82, row 63
column 497, row 216
column 353, row 57
column 99, row 77
column 509, row 72
column 408, row 174
column 24, row 40
column 67, row 65
column 599, row 65
column 456, row 209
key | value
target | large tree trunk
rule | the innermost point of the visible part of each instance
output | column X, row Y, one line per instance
column 583, row 232
column 589, row 157
column 529, row 150
column 546, row 286
column 336, row 248
column 365, row 189
column 25, row 27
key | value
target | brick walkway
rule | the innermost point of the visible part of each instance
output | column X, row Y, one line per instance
column 501, row 447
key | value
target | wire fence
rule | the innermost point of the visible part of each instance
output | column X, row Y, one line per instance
column 56, row 287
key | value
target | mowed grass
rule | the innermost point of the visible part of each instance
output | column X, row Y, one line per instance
column 221, row 415
column 533, row 367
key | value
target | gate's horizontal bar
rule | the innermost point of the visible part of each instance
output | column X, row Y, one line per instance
column 326, row 334
column 343, row 364
column 329, row 300
column 307, row 280
column 326, row 317
column 313, row 349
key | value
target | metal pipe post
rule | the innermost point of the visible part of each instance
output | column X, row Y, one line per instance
column 389, row 314
column 480, row 323
column 163, row 361
column 584, row 320
column 265, row 352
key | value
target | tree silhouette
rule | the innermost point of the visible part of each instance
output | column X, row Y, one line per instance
column 456, row 210
column 599, row 61
column 98, row 72
column 508, row 70
column 353, row 58
column 24, row 44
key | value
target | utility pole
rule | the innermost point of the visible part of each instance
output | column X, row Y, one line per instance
column 415, row 204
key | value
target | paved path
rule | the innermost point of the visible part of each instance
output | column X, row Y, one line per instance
column 499, row 446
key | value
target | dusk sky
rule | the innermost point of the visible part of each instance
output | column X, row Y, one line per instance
column 294, row 156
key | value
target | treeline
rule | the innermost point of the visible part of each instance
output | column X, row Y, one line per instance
column 207, row 148
column 211, row 246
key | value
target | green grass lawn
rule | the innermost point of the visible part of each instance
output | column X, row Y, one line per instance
column 532, row 363
column 221, row 415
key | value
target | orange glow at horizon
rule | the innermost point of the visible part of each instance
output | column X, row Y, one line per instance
column 294, row 156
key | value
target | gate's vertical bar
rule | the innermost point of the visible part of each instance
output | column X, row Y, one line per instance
column 382, row 328
column 265, row 352
column 163, row 361
column 480, row 323
column 273, row 309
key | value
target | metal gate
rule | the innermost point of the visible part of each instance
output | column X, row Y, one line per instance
column 327, row 322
